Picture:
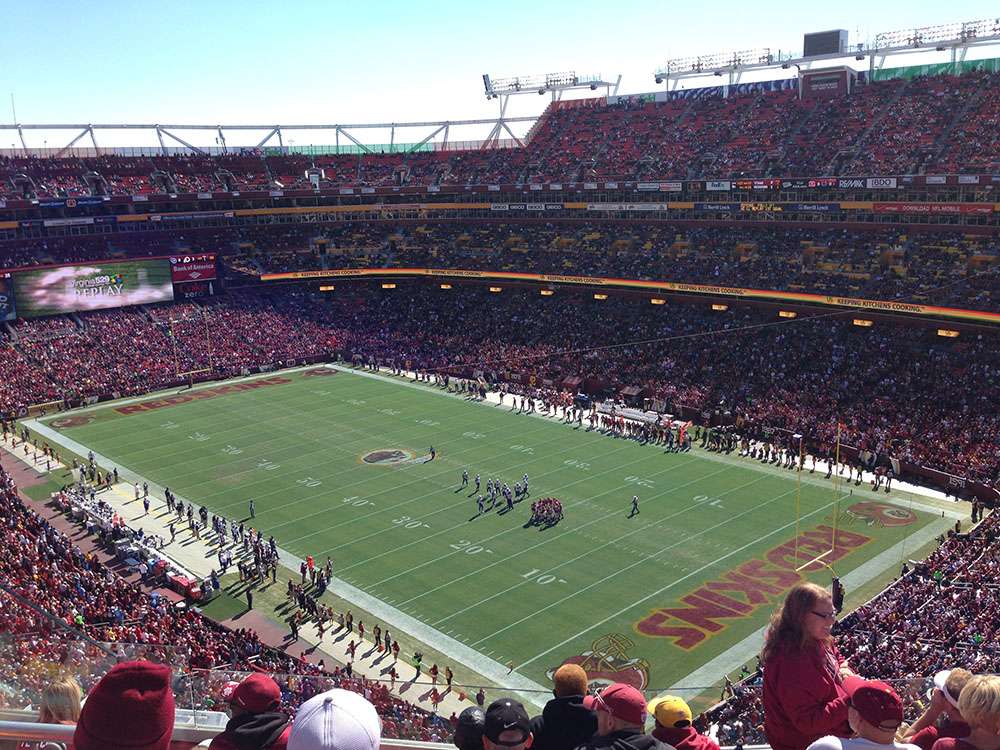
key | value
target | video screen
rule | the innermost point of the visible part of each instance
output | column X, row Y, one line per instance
column 7, row 311
column 96, row 286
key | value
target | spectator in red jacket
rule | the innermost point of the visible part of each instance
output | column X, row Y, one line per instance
column 804, row 698
column 980, row 705
column 256, row 722
column 948, row 685
column 673, row 725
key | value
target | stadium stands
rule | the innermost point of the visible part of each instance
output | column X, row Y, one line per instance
column 898, row 390
column 890, row 127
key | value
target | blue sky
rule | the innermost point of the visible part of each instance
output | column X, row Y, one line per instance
column 375, row 61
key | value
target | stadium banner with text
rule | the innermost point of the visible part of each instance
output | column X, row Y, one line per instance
column 95, row 286
column 933, row 208
column 7, row 309
column 199, row 267
column 884, row 306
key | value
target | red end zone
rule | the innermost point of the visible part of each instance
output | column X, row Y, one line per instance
column 183, row 398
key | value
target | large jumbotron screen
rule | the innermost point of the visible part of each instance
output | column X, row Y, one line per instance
column 51, row 291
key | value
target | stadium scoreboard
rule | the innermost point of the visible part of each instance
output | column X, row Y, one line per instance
column 57, row 290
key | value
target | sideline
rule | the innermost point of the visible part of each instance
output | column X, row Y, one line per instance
column 494, row 671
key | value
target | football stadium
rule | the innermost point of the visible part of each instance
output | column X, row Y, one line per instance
column 658, row 412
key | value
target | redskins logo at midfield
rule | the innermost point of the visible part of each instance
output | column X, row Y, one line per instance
column 388, row 456
column 883, row 514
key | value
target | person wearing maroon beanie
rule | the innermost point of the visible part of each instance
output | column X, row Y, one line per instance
column 256, row 722
column 130, row 708
column 804, row 697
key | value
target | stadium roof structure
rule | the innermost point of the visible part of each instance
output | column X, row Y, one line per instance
column 274, row 133
column 958, row 38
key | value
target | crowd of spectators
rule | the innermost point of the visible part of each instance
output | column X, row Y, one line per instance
column 896, row 391
column 52, row 579
column 897, row 126
column 949, row 268
column 939, row 614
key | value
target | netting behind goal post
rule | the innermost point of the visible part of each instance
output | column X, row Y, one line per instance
column 191, row 338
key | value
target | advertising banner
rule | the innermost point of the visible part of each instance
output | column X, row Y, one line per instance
column 933, row 208
column 192, row 267
column 718, row 185
column 64, row 289
column 880, row 182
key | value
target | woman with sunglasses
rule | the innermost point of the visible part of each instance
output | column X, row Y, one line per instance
column 803, row 673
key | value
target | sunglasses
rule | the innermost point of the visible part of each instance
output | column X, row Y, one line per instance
column 825, row 615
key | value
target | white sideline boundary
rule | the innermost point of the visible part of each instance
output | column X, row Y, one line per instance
column 740, row 653
column 494, row 671
column 530, row 691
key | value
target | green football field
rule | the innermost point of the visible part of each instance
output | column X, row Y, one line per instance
column 695, row 572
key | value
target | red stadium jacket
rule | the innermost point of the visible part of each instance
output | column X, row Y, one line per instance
column 225, row 741
column 685, row 739
column 952, row 743
column 803, row 698
column 926, row 737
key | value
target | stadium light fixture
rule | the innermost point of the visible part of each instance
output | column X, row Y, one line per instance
column 446, row 286
column 389, row 286
column 948, row 333
column 863, row 322
column 657, row 301
column 549, row 83
column 327, row 287
column 547, row 292
column 496, row 289
column 720, row 308
column 600, row 296
column 787, row 314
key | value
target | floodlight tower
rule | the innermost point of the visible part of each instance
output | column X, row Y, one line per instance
column 549, row 83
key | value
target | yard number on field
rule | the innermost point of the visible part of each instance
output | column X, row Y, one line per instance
column 356, row 501
column 641, row 481
column 715, row 502
column 406, row 522
column 199, row 436
column 473, row 435
column 309, row 482
column 232, row 450
column 464, row 545
column 522, row 449
column 543, row 579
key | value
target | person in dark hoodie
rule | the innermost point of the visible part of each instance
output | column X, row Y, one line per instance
column 673, row 725
column 256, row 722
column 621, row 718
column 565, row 722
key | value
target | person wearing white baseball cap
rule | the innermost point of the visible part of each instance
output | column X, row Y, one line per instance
column 924, row 732
column 336, row 720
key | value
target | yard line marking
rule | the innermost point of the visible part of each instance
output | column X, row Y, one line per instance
column 669, row 585
column 603, row 542
column 607, row 543
column 423, row 539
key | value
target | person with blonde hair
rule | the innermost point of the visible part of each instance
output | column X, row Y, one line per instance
column 948, row 686
column 804, row 697
column 60, row 705
column 979, row 705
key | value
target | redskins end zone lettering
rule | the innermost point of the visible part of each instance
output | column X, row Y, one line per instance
column 739, row 592
column 183, row 398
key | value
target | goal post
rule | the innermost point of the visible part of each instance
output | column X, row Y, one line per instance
column 203, row 335
column 820, row 558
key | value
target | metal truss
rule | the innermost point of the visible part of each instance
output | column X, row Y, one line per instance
column 427, row 132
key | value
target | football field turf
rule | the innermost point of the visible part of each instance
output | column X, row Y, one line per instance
column 696, row 571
